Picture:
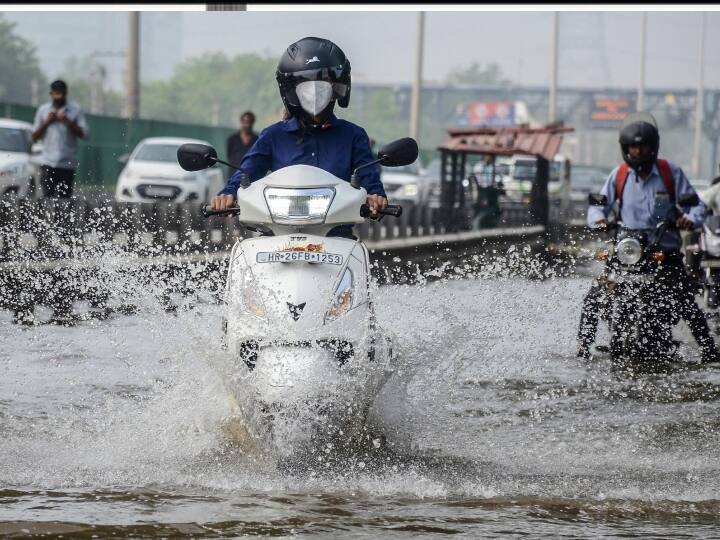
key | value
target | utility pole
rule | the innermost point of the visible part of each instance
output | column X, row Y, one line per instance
column 643, row 46
column 417, row 83
column 552, row 95
column 34, row 92
column 700, row 102
column 133, row 66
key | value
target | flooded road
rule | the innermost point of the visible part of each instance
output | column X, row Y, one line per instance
column 493, row 429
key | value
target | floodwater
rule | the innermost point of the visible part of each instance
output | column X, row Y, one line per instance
column 493, row 429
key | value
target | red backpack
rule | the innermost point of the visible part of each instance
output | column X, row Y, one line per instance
column 665, row 173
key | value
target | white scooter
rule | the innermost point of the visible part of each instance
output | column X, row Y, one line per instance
column 301, row 336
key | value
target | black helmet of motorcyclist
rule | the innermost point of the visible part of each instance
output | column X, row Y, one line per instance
column 313, row 74
column 640, row 129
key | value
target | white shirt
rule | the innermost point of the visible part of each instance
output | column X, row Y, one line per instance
column 60, row 146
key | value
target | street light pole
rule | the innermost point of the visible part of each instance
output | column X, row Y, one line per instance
column 133, row 66
column 417, row 83
column 641, row 86
column 552, row 97
column 700, row 101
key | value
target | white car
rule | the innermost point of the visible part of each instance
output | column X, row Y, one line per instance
column 18, row 168
column 518, row 173
column 406, row 184
column 152, row 173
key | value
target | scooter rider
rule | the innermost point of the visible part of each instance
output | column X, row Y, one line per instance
column 649, row 189
column 313, row 74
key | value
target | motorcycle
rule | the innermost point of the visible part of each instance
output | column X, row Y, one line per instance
column 641, row 314
column 302, row 340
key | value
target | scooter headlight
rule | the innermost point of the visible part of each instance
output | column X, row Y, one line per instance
column 342, row 298
column 298, row 206
column 629, row 250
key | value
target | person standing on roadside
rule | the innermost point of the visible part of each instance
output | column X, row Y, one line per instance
column 241, row 141
column 60, row 124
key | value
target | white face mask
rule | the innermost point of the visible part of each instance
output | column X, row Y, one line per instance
column 314, row 96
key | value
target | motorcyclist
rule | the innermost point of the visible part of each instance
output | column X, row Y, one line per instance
column 643, row 202
column 711, row 196
column 693, row 257
column 313, row 74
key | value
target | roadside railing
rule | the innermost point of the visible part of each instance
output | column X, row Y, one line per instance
column 54, row 252
column 30, row 229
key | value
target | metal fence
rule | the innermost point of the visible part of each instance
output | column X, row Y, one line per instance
column 26, row 227
column 111, row 137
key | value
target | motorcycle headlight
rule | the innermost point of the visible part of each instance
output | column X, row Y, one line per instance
column 629, row 250
column 410, row 190
column 298, row 206
column 342, row 298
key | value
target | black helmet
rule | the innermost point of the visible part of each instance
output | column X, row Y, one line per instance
column 639, row 128
column 312, row 60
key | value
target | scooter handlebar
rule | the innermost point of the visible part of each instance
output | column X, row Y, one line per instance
column 394, row 210
column 207, row 211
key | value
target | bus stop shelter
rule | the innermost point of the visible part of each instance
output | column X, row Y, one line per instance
column 542, row 143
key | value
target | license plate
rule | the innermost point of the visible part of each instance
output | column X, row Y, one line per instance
column 159, row 192
column 298, row 256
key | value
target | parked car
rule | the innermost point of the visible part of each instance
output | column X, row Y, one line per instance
column 586, row 179
column 518, row 173
column 152, row 173
column 18, row 165
column 406, row 185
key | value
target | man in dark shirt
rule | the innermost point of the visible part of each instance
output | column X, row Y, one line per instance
column 240, row 142
column 312, row 75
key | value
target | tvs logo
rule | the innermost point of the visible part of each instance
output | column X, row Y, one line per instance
column 296, row 310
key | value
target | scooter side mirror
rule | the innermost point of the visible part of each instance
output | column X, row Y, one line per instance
column 398, row 153
column 688, row 200
column 195, row 156
column 597, row 200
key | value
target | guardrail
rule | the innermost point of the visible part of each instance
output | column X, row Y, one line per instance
column 26, row 227
column 56, row 251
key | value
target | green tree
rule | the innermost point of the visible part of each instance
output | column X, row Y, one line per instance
column 85, row 79
column 19, row 66
column 476, row 73
column 215, row 89
column 379, row 116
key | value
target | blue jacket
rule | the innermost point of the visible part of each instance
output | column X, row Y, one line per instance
column 338, row 147
column 645, row 203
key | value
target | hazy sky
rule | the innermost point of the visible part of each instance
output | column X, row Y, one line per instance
column 596, row 49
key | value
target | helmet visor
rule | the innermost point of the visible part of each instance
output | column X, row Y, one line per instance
column 332, row 75
column 314, row 96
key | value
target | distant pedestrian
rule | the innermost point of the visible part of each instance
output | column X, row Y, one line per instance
column 59, row 123
column 241, row 141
